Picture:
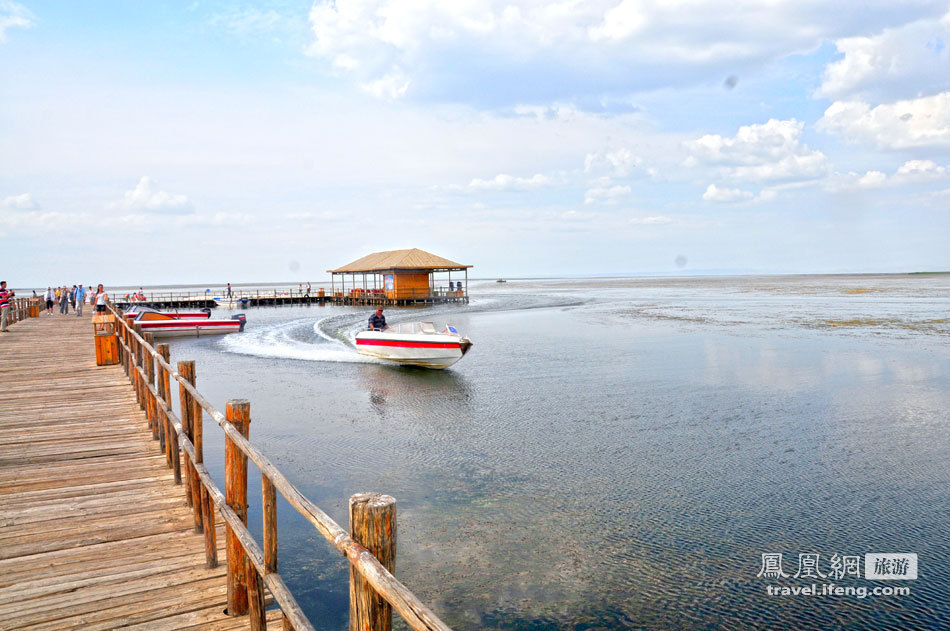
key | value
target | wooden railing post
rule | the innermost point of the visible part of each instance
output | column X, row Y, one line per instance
column 269, row 503
column 372, row 525
column 138, row 362
column 238, row 413
column 255, row 597
column 123, row 330
column 162, row 387
column 186, row 370
column 151, row 408
column 184, row 398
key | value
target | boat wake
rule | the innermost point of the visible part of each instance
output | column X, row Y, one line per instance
column 298, row 339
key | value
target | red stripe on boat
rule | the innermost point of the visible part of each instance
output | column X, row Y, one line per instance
column 155, row 324
column 407, row 344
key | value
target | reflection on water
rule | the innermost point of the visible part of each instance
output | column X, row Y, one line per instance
column 590, row 465
column 402, row 389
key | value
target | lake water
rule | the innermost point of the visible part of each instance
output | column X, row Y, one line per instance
column 619, row 453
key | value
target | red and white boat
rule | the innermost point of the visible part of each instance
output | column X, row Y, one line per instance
column 414, row 344
column 132, row 312
column 166, row 324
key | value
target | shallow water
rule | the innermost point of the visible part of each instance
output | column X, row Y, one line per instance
column 618, row 452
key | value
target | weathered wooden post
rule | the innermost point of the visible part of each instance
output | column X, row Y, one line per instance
column 162, row 386
column 123, row 351
column 186, row 371
column 238, row 413
column 151, row 410
column 207, row 518
column 372, row 525
column 138, row 363
column 269, row 503
column 256, row 586
column 255, row 597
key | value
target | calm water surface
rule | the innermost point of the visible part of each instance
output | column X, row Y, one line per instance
column 619, row 453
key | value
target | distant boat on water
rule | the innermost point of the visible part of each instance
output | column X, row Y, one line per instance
column 501, row 280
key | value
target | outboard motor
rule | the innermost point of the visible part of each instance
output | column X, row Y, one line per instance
column 240, row 316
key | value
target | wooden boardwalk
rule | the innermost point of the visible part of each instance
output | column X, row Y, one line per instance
column 94, row 533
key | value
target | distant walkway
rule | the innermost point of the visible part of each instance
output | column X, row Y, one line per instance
column 94, row 533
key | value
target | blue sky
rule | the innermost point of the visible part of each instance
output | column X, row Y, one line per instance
column 147, row 142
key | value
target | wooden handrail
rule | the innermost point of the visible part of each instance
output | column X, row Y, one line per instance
column 413, row 611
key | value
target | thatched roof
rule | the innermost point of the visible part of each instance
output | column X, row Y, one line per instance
column 399, row 259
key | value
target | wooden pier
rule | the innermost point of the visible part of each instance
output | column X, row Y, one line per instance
column 240, row 299
column 94, row 533
column 110, row 520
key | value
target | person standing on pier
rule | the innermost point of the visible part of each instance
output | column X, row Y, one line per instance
column 80, row 299
column 102, row 299
column 50, row 299
column 64, row 300
column 5, row 295
column 377, row 321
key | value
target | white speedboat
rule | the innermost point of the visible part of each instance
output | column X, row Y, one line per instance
column 133, row 312
column 414, row 344
column 165, row 324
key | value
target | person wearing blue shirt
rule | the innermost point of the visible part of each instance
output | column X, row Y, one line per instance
column 80, row 299
column 377, row 321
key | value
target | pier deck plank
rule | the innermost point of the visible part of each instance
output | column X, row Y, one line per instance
column 94, row 533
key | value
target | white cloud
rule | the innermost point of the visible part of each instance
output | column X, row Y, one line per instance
column 619, row 162
column 911, row 172
column 13, row 15
column 767, row 152
column 726, row 195
column 542, row 51
column 909, row 124
column 872, row 179
column 215, row 220
column 246, row 21
column 921, row 170
column 390, row 87
column 905, row 62
column 23, row 201
column 656, row 220
column 505, row 182
column 605, row 192
column 144, row 197
column 573, row 215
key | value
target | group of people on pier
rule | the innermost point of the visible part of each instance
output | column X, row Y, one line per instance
column 65, row 297
column 75, row 297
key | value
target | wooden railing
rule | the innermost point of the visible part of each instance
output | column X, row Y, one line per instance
column 369, row 546
column 288, row 292
column 219, row 292
column 20, row 309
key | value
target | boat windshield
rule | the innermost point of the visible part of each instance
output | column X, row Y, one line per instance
column 413, row 327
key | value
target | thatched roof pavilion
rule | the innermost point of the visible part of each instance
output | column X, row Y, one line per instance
column 403, row 276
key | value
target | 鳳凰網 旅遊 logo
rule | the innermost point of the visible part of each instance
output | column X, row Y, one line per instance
column 889, row 566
